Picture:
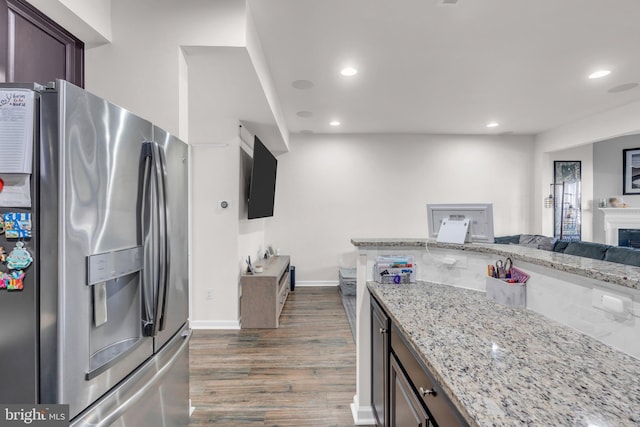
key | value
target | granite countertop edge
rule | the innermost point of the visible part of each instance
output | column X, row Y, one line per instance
column 620, row 274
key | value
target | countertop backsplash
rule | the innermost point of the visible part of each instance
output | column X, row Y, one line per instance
column 556, row 293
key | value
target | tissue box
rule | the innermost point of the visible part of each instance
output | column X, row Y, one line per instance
column 509, row 294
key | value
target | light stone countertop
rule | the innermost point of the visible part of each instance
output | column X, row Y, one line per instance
column 506, row 366
column 610, row 272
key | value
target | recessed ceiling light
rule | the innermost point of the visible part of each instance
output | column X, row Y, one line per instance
column 493, row 125
column 598, row 74
column 348, row 71
column 334, row 123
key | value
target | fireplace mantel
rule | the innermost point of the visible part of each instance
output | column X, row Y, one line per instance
column 617, row 218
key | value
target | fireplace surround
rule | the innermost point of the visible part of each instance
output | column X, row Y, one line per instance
column 616, row 219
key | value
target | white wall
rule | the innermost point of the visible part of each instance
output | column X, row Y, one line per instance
column 222, row 238
column 139, row 69
column 97, row 12
column 607, row 171
column 260, row 62
column 214, row 291
column 331, row 188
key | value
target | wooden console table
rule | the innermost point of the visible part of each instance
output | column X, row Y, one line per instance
column 264, row 294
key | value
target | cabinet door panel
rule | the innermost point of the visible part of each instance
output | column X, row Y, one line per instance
column 405, row 409
column 379, row 362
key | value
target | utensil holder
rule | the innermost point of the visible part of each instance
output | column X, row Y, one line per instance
column 509, row 294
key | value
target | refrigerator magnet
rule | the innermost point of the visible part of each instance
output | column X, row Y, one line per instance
column 19, row 258
column 15, row 281
column 17, row 225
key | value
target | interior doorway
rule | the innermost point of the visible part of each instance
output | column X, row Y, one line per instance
column 33, row 48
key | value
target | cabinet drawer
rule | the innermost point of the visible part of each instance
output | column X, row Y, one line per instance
column 282, row 295
column 283, row 292
column 284, row 279
column 429, row 391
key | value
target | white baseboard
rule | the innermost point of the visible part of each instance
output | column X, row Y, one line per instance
column 309, row 283
column 362, row 415
column 215, row 324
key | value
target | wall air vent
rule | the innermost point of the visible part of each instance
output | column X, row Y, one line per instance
column 448, row 2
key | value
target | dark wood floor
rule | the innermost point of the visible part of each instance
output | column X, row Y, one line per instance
column 301, row 374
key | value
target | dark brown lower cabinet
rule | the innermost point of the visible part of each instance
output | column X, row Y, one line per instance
column 379, row 362
column 405, row 409
column 404, row 392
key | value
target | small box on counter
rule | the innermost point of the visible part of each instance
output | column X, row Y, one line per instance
column 509, row 294
column 506, row 284
column 394, row 269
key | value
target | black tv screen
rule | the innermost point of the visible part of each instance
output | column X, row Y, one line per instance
column 262, row 190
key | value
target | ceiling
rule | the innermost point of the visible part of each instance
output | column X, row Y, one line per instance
column 425, row 66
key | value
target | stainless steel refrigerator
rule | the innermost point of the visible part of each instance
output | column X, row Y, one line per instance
column 100, row 322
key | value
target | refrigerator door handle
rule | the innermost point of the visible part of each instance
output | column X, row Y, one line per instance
column 163, row 238
column 147, row 218
column 153, row 216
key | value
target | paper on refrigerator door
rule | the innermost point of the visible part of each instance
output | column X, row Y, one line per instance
column 16, row 191
column 16, row 130
column 16, row 146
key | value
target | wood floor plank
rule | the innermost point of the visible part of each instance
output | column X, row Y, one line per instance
column 301, row 374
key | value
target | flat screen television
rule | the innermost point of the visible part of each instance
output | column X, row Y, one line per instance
column 262, row 189
column 479, row 214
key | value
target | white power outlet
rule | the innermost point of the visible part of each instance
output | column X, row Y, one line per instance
column 611, row 302
column 209, row 294
column 453, row 261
